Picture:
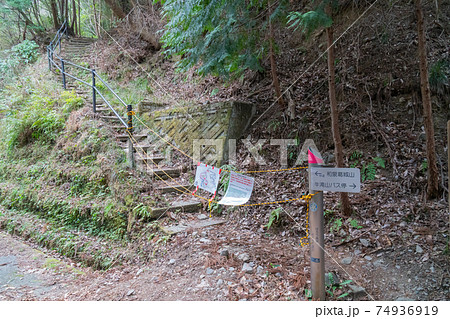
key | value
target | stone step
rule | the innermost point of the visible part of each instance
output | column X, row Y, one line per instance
column 81, row 40
column 174, row 229
column 188, row 206
column 173, row 188
column 102, row 108
column 161, row 173
column 124, row 137
column 150, row 159
column 118, row 127
column 110, row 118
column 139, row 147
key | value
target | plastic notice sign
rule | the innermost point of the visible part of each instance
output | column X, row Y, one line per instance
column 239, row 190
column 207, row 177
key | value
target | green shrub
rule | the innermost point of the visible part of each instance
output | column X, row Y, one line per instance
column 31, row 125
column 27, row 51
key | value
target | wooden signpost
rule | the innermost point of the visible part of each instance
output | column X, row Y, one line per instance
column 324, row 179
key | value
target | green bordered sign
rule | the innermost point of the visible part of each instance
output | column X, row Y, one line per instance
column 346, row 180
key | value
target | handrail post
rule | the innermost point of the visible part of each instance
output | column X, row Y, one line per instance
column 131, row 161
column 94, row 101
column 48, row 57
column 63, row 74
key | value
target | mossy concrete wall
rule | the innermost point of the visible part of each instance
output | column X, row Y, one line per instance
column 203, row 131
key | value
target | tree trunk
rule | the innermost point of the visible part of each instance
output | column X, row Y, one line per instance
column 96, row 21
column 338, row 153
column 79, row 18
column 119, row 13
column 116, row 9
column 273, row 65
column 74, row 18
column 66, row 11
column 61, row 10
column 54, row 13
column 433, row 176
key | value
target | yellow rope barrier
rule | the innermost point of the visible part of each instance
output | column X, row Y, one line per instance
column 241, row 172
column 306, row 198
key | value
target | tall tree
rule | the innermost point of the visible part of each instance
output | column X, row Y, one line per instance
column 123, row 11
column 433, row 176
column 338, row 153
column 224, row 37
column 309, row 22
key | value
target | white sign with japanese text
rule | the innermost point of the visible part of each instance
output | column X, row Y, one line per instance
column 346, row 180
column 239, row 190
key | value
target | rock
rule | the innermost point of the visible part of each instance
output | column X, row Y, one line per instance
column 203, row 284
column 342, row 233
column 130, row 292
column 219, row 282
column 357, row 291
column 139, row 272
column 202, row 216
column 378, row 263
column 364, row 242
column 231, row 269
column 260, row 270
column 403, row 224
column 368, row 258
column 401, row 298
column 205, row 240
column 224, row 251
column 347, row 260
column 209, row 271
column 419, row 249
column 243, row 257
column 247, row 268
column 172, row 261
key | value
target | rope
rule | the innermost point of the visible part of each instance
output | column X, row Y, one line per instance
column 188, row 192
column 240, row 172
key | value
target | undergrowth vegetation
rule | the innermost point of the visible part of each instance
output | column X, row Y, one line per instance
column 60, row 163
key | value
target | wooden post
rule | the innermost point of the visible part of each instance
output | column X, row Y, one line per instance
column 94, row 96
column 63, row 71
column 131, row 161
column 48, row 57
column 316, row 241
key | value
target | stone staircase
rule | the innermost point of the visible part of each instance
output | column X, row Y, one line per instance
column 164, row 177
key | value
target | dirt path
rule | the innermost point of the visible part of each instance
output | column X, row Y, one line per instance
column 29, row 274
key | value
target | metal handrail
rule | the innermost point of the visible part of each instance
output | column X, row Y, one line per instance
column 112, row 91
column 77, row 66
column 51, row 54
column 111, row 107
column 75, row 78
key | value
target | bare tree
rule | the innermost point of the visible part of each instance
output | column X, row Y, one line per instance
column 433, row 176
column 338, row 153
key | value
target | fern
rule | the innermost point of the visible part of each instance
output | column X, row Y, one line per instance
column 274, row 217
column 310, row 21
column 380, row 162
column 368, row 172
